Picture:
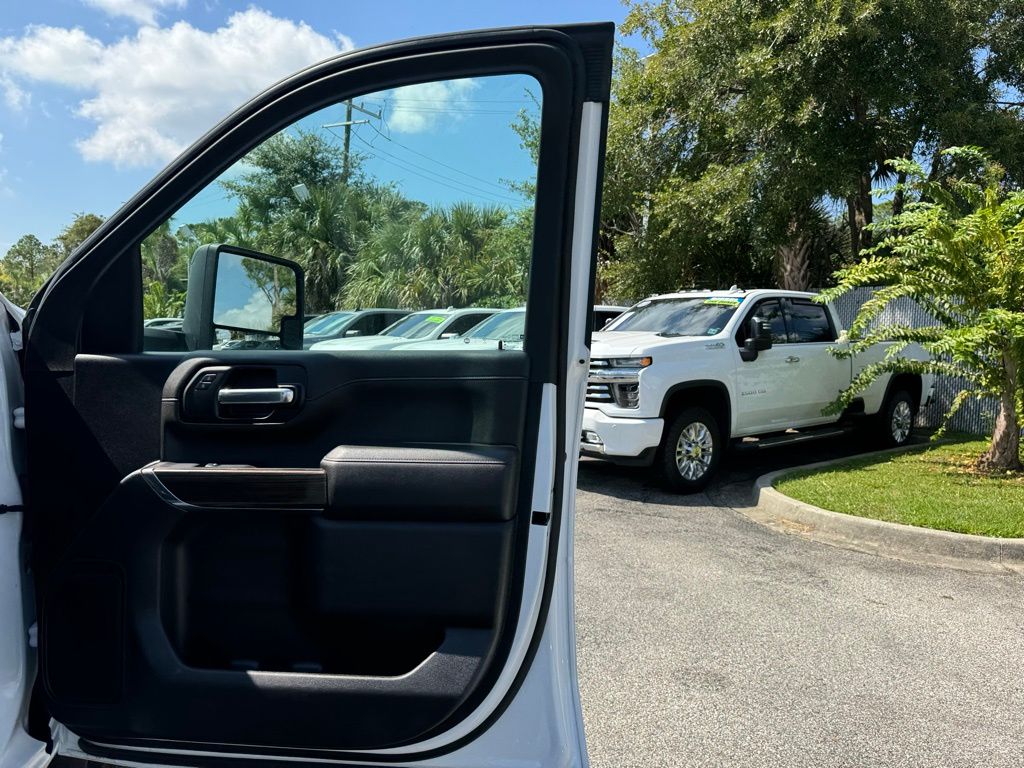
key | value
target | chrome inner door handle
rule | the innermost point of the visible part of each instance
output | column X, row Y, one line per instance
column 792, row 359
column 256, row 396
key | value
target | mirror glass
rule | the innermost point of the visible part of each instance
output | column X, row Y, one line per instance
column 252, row 295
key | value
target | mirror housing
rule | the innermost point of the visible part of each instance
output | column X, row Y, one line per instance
column 259, row 274
column 759, row 338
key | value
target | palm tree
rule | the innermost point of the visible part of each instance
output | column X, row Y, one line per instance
column 439, row 259
column 958, row 251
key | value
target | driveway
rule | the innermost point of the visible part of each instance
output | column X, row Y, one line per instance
column 708, row 640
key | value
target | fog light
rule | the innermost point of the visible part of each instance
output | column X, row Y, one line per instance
column 591, row 437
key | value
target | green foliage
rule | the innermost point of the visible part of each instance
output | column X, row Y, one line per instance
column 959, row 253
column 29, row 262
column 360, row 243
column 916, row 488
column 280, row 164
column 26, row 266
column 460, row 256
column 75, row 233
column 751, row 114
column 159, row 301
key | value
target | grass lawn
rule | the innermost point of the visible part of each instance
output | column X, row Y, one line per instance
column 936, row 487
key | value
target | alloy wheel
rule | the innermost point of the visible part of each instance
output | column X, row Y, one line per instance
column 694, row 450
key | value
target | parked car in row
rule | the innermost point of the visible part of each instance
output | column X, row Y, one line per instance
column 163, row 322
column 504, row 330
column 677, row 378
column 414, row 328
column 344, row 325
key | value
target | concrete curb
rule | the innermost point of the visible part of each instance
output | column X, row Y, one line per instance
column 905, row 542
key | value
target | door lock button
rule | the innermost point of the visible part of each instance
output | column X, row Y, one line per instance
column 206, row 381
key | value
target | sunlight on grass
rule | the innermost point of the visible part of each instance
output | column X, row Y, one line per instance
column 936, row 488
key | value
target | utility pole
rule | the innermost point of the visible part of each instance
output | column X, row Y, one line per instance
column 347, row 124
column 348, row 140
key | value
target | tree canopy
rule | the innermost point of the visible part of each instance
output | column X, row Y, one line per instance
column 746, row 148
column 361, row 243
column 959, row 253
column 29, row 262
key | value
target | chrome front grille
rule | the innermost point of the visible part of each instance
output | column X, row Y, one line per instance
column 598, row 392
column 613, row 386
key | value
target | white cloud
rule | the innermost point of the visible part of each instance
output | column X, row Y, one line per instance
column 14, row 97
column 67, row 57
column 256, row 314
column 151, row 94
column 142, row 11
column 423, row 107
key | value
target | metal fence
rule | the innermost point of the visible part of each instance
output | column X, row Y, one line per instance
column 975, row 416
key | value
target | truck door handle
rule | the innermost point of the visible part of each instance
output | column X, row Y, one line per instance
column 256, row 396
column 792, row 359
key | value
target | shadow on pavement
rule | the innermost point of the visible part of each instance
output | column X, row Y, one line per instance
column 736, row 477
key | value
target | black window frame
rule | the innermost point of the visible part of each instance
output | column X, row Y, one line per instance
column 475, row 317
column 789, row 303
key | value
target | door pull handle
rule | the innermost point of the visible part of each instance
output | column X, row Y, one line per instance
column 256, row 396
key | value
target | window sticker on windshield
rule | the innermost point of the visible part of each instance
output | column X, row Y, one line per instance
column 435, row 319
column 724, row 301
column 713, row 331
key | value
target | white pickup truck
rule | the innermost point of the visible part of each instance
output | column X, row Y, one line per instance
column 677, row 378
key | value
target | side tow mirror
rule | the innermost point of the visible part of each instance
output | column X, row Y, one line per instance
column 245, row 295
column 759, row 339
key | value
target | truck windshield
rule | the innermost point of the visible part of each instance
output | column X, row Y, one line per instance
column 326, row 324
column 704, row 316
column 416, row 326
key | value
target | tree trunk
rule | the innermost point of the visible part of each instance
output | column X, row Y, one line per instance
column 860, row 212
column 794, row 260
column 1003, row 453
column 933, row 172
column 899, row 197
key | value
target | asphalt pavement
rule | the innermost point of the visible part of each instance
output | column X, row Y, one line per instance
column 705, row 639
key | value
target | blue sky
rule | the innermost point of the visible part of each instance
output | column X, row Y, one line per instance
column 97, row 95
column 439, row 143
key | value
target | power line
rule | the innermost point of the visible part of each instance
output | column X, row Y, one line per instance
column 465, row 184
column 438, row 162
column 455, row 184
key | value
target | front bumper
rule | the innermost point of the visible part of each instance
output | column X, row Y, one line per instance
column 609, row 436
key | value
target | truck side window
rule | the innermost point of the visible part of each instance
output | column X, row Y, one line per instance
column 771, row 311
column 462, row 324
column 809, row 323
column 418, row 197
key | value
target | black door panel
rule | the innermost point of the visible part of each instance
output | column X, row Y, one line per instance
column 341, row 590
column 217, row 487
column 271, row 629
column 473, row 483
column 360, row 398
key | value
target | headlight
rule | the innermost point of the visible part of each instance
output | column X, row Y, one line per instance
column 630, row 362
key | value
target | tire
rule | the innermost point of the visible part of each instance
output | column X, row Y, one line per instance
column 691, row 450
column 896, row 420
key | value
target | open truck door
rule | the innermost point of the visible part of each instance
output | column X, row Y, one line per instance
column 245, row 553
